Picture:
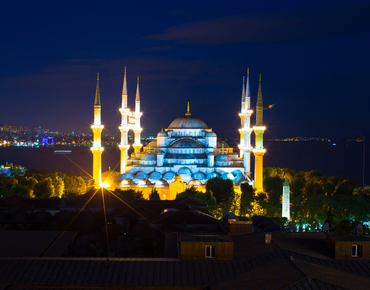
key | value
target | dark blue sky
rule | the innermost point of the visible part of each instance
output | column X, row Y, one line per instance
column 313, row 57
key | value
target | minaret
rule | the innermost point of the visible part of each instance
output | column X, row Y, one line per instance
column 137, row 130
column 124, row 146
column 286, row 200
column 258, row 150
column 97, row 127
column 246, row 130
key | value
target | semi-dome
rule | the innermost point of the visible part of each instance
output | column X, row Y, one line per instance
column 187, row 122
column 184, row 170
column 152, row 143
column 211, row 134
column 161, row 134
column 186, row 143
column 149, row 157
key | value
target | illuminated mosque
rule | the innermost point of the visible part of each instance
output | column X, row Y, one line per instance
column 185, row 154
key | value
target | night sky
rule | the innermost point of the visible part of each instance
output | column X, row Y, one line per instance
column 313, row 57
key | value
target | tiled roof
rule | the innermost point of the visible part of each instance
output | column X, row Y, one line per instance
column 97, row 201
column 312, row 244
column 14, row 201
column 349, row 238
column 276, row 274
column 34, row 243
column 260, row 266
column 43, row 203
column 163, row 273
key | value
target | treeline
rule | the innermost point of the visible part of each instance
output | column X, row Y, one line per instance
column 42, row 184
column 314, row 198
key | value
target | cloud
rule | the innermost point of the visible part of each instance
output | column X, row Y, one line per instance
column 313, row 22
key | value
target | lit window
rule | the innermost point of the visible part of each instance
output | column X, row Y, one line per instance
column 210, row 251
column 356, row 251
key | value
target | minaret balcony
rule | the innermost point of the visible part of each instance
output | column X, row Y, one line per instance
column 97, row 127
column 246, row 112
column 124, row 146
column 139, row 114
column 259, row 128
column 124, row 111
column 245, row 148
column 97, row 149
column 137, row 130
column 259, row 150
column 247, row 130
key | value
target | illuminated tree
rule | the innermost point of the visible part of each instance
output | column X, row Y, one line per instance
column 58, row 186
column 44, row 189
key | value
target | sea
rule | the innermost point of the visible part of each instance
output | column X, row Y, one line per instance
column 341, row 158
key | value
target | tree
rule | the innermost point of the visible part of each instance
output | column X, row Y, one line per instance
column 330, row 220
column 58, row 186
column 130, row 193
column 154, row 195
column 222, row 189
column 246, row 199
column 344, row 227
column 20, row 190
column 44, row 189
column 273, row 186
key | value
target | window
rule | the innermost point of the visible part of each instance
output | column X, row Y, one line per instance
column 356, row 251
column 210, row 251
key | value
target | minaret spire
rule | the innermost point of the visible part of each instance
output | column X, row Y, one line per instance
column 259, row 107
column 243, row 96
column 137, row 130
column 137, row 99
column 248, row 93
column 97, row 92
column 124, row 91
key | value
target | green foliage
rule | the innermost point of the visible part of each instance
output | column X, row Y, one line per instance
column 314, row 199
column 154, row 195
column 44, row 188
column 344, row 227
column 246, row 199
column 273, row 187
column 20, row 190
column 330, row 220
column 130, row 193
column 222, row 190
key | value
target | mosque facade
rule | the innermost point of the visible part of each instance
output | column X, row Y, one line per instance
column 187, row 153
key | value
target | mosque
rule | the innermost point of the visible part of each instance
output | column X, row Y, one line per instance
column 185, row 154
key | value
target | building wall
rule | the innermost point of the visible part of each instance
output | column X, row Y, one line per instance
column 343, row 249
column 196, row 250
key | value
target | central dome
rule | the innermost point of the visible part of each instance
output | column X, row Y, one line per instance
column 188, row 122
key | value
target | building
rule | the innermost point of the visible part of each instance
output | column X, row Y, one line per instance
column 186, row 153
